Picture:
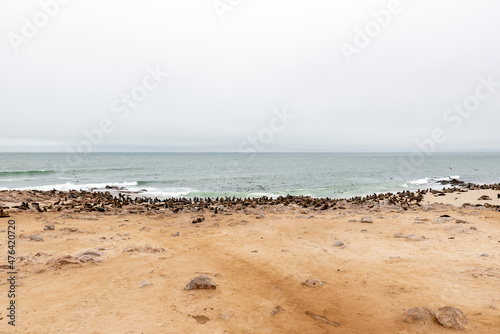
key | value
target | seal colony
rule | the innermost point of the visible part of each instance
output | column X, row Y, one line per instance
column 108, row 262
column 85, row 201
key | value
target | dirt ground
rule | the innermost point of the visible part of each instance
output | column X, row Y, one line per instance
column 368, row 283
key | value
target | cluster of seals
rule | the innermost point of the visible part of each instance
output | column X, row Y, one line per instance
column 87, row 201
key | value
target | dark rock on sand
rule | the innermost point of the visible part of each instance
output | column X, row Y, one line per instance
column 277, row 309
column 49, row 227
column 200, row 283
column 322, row 319
column 451, row 317
column 200, row 318
column 338, row 244
column 312, row 283
column 419, row 315
column 484, row 198
column 198, row 220
column 3, row 214
column 36, row 238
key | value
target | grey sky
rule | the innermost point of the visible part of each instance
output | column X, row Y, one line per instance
column 227, row 76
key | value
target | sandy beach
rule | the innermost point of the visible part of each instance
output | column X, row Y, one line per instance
column 123, row 272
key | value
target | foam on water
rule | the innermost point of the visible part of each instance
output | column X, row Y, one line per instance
column 163, row 175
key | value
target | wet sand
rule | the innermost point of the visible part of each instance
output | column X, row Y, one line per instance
column 258, row 258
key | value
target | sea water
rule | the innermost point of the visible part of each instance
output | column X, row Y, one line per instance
column 164, row 175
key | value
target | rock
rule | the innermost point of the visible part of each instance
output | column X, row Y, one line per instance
column 419, row 222
column 429, row 207
column 36, row 238
column 453, row 182
column 461, row 221
column 198, row 220
column 59, row 262
column 484, row 255
column 367, row 219
column 176, row 234
column 419, row 315
column 4, row 214
column 90, row 253
column 200, row 283
column 277, row 309
column 144, row 249
column 312, row 283
column 399, row 235
column 338, row 243
column 49, row 227
column 484, row 198
column 86, row 258
column 144, row 283
column 322, row 319
column 442, row 220
column 200, row 318
column 414, row 237
column 69, row 229
column 451, row 317
column 225, row 316
column 473, row 228
column 352, row 221
column 260, row 216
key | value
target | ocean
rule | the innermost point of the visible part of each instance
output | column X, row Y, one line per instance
column 164, row 175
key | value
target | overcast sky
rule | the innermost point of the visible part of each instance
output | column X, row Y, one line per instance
column 232, row 64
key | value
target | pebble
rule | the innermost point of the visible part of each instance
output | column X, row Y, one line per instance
column 312, row 283
column 277, row 309
column 451, row 317
column 418, row 315
column 144, row 283
column 202, row 282
column 225, row 316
